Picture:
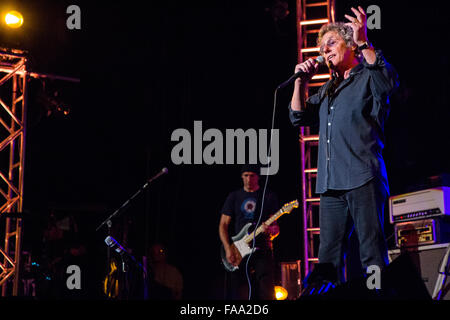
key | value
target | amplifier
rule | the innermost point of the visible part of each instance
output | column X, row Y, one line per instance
column 420, row 204
column 422, row 232
column 291, row 279
column 428, row 261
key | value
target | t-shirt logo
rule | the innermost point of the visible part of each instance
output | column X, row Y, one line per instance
column 248, row 208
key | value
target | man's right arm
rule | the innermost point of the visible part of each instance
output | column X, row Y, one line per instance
column 231, row 251
column 223, row 231
column 298, row 96
column 309, row 68
column 299, row 113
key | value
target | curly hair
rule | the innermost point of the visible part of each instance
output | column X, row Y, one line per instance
column 346, row 32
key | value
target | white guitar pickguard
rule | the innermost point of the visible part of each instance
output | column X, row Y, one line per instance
column 243, row 248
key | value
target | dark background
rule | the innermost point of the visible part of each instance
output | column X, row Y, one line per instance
column 148, row 68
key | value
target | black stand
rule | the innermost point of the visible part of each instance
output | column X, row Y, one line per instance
column 131, row 277
column 108, row 220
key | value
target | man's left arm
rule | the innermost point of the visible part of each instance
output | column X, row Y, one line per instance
column 384, row 78
column 273, row 230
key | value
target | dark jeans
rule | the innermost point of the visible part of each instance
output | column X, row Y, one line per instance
column 260, row 271
column 361, row 208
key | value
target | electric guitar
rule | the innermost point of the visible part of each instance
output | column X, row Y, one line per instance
column 243, row 239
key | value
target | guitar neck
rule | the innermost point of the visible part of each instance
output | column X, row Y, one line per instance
column 248, row 238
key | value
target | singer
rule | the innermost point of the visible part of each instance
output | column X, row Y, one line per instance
column 350, row 109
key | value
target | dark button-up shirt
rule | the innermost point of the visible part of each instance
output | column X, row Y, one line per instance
column 351, row 122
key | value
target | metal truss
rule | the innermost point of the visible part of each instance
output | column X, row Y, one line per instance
column 13, row 102
column 311, row 15
column 14, row 79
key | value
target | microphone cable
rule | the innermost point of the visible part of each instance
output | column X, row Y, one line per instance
column 319, row 60
column 269, row 154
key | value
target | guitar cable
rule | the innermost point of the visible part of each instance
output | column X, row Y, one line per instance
column 269, row 154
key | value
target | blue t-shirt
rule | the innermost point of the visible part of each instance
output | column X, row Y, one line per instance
column 244, row 207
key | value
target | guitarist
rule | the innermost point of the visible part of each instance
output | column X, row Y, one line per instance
column 241, row 207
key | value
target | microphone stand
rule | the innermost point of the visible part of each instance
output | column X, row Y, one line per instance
column 108, row 220
column 129, row 274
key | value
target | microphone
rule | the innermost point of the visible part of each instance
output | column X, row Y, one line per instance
column 113, row 244
column 159, row 174
column 319, row 60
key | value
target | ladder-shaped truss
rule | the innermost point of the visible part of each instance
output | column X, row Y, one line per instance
column 14, row 79
column 311, row 15
column 13, row 87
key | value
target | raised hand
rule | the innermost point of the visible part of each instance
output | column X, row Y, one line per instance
column 359, row 25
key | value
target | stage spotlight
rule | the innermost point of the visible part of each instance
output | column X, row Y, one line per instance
column 14, row 19
column 53, row 104
column 280, row 293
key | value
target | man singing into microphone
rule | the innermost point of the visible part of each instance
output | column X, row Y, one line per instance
column 350, row 109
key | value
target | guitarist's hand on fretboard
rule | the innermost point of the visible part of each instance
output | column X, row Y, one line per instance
column 272, row 230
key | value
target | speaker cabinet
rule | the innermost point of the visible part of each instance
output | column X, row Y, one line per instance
column 291, row 278
column 427, row 260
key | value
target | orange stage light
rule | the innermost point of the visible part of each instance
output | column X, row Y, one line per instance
column 14, row 19
column 280, row 293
